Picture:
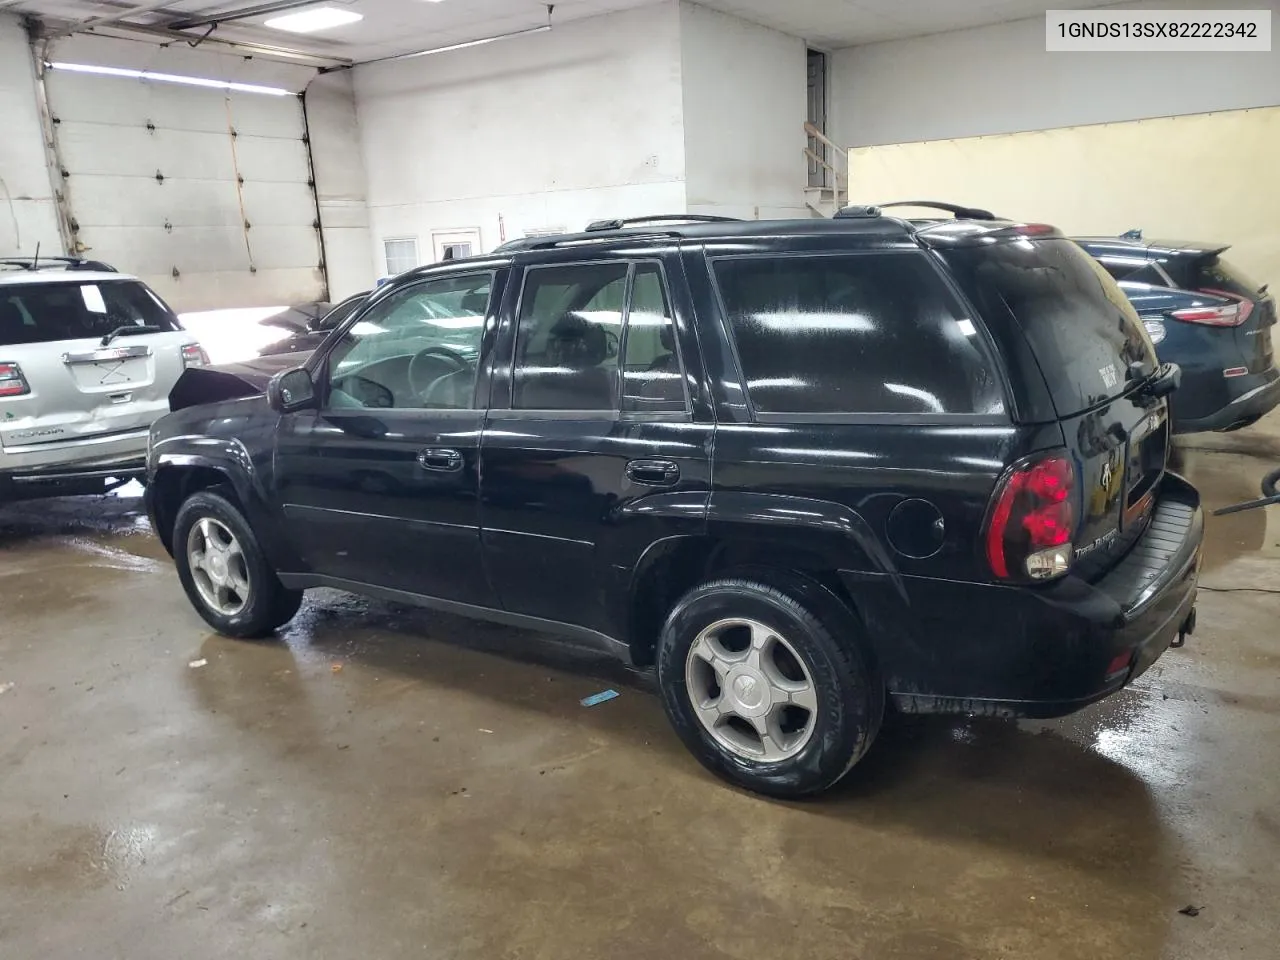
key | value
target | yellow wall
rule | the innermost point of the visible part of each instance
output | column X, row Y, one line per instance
column 1208, row 176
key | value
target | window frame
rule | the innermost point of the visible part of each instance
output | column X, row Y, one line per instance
column 319, row 364
column 386, row 263
column 616, row 413
column 985, row 344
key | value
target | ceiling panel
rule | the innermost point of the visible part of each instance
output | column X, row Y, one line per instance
column 398, row 26
column 842, row 23
column 388, row 26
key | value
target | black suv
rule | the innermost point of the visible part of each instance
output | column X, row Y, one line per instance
column 804, row 467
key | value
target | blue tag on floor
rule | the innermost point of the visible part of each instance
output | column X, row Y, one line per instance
column 600, row 697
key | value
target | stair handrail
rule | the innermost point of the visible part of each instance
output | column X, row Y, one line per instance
column 837, row 152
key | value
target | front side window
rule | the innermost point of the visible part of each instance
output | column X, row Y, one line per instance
column 417, row 349
column 857, row 334
column 47, row 312
column 567, row 337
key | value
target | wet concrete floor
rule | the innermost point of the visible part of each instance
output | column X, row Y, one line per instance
column 387, row 783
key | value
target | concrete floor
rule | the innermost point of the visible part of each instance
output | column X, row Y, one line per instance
column 388, row 783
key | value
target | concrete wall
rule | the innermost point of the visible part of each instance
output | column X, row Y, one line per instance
column 744, row 107
column 28, row 213
column 546, row 131
column 340, row 183
column 1000, row 79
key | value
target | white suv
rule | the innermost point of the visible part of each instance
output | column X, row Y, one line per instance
column 87, row 359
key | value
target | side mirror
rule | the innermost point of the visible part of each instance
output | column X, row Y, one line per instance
column 291, row 390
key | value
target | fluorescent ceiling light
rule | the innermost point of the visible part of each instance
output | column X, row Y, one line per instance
column 168, row 78
column 317, row 18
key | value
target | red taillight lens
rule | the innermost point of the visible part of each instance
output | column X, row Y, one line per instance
column 1032, row 521
column 12, row 382
column 1227, row 315
column 193, row 355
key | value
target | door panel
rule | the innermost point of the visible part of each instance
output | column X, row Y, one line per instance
column 361, row 507
column 562, row 518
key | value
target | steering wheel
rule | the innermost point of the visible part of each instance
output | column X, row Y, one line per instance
column 422, row 380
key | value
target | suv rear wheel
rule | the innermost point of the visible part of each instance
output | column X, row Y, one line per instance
column 768, row 685
column 224, row 571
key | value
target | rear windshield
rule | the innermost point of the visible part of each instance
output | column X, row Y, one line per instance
column 1081, row 326
column 1218, row 275
column 47, row 312
column 873, row 333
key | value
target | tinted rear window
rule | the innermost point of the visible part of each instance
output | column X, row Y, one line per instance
column 1081, row 326
column 1218, row 275
column 864, row 333
column 46, row 312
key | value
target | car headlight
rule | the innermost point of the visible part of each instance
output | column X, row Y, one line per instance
column 1155, row 330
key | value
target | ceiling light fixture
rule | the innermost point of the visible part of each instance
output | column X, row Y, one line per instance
column 168, row 78
column 310, row 21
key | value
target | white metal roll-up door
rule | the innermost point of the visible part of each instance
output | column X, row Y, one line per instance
column 205, row 194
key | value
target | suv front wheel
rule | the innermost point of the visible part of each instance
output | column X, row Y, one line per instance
column 224, row 571
column 769, row 686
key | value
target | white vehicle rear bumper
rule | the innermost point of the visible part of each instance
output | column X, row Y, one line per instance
column 90, row 458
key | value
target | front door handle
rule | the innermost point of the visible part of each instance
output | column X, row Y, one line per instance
column 440, row 459
column 653, row 473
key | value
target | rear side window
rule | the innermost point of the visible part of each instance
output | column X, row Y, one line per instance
column 1080, row 324
column 567, row 337
column 859, row 334
column 652, row 381
column 47, row 312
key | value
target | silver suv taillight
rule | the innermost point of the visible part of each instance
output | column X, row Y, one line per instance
column 12, row 382
column 193, row 355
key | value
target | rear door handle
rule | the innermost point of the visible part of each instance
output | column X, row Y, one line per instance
column 440, row 459
column 653, row 473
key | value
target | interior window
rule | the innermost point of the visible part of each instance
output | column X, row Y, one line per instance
column 567, row 338
column 652, row 378
column 400, row 255
column 417, row 349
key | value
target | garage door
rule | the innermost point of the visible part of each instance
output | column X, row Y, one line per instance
column 205, row 194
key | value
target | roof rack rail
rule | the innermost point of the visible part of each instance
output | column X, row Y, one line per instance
column 857, row 212
column 67, row 263
column 598, row 225
column 955, row 209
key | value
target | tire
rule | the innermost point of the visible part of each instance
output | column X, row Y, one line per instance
column 268, row 604
column 823, row 638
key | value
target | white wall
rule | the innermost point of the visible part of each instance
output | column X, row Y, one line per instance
column 1000, row 79
column 549, row 130
column 744, row 110
column 340, row 183
column 28, row 213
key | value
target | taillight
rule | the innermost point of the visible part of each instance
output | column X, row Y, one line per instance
column 1032, row 521
column 193, row 355
column 12, row 382
column 1226, row 315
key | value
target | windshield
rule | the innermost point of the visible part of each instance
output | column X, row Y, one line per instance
column 47, row 312
column 1081, row 326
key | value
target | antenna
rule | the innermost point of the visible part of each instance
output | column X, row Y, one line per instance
column 35, row 261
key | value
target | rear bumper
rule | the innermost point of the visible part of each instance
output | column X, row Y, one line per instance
column 72, row 468
column 1253, row 396
column 1043, row 652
